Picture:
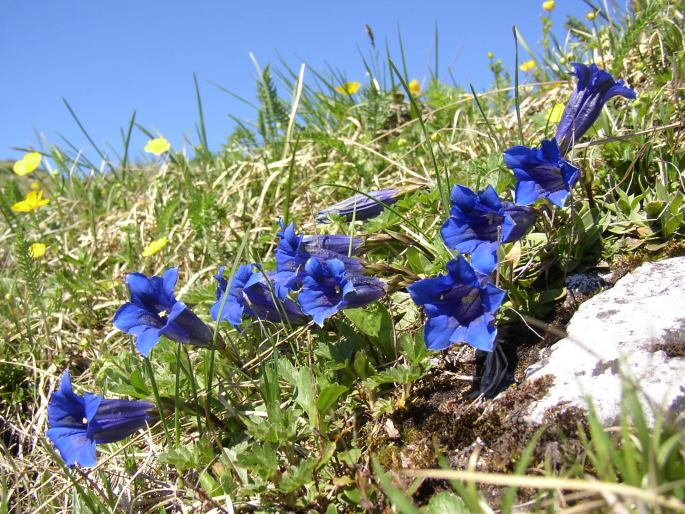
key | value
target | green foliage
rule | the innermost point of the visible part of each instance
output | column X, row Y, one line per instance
column 275, row 418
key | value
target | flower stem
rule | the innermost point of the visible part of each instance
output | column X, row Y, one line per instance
column 158, row 401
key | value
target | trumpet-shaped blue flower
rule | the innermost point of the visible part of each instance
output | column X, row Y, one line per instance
column 294, row 250
column 154, row 312
column 77, row 423
column 340, row 244
column 541, row 173
column 595, row 87
column 328, row 287
column 252, row 294
column 460, row 307
column 478, row 222
column 359, row 206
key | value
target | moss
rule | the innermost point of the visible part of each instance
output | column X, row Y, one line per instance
column 672, row 343
column 389, row 457
column 441, row 420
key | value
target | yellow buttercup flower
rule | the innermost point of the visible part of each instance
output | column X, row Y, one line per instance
column 157, row 146
column 528, row 65
column 548, row 5
column 155, row 246
column 33, row 200
column 27, row 164
column 555, row 113
column 415, row 87
column 37, row 250
column 348, row 88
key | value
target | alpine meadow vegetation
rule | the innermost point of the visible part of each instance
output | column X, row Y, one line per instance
column 279, row 325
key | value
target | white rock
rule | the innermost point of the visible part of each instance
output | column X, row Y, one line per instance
column 643, row 310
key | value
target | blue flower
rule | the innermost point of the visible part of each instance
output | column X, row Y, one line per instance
column 595, row 87
column 252, row 294
column 479, row 222
column 460, row 306
column 328, row 287
column 154, row 312
column 77, row 423
column 334, row 243
column 541, row 173
column 293, row 251
column 360, row 206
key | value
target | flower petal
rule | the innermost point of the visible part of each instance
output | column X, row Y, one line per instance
column 481, row 333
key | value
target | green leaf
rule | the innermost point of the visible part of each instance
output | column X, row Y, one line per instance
column 367, row 320
column 210, row 485
column 305, row 394
column 375, row 322
column 446, row 503
column 298, row 476
column 328, row 397
column 414, row 348
column 351, row 456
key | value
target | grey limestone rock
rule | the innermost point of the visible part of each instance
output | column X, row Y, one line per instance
column 637, row 327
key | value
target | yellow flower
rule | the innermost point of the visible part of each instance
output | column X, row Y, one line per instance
column 348, row 88
column 591, row 15
column 548, row 5
column 155, row 246
column 555, row 113
column 528, row 65
column 27, row 164
column 157, row 146
column 37, row 250
column 415, row 87
column 35, row 185
column 491, row 55
column 33, row 200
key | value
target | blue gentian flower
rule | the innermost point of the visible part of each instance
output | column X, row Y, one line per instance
column 252, row 294
column 77, row 423
column 340, row 244
column 359, row 206
column 328, row 287
column 541, row 173
column 595, row 87
column 460, row 306
column 294, row 250
column 478, row 222
column 154, row 312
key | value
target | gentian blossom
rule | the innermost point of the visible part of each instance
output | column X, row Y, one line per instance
column 154, row 312
column 252, row 294
column 460, row 306
column 294, row 250
column 332, row 242
column 595, row 87
column 479, row 222
column 541, row 173
column 359, row 206
column 328, row 287
column 77, row 423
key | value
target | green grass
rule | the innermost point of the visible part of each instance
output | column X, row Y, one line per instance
column 290, row 419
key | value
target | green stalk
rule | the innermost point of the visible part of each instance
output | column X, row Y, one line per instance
column 158, row 401
column 177, row 414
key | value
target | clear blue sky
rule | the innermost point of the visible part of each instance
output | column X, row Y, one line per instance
column 109, row 58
